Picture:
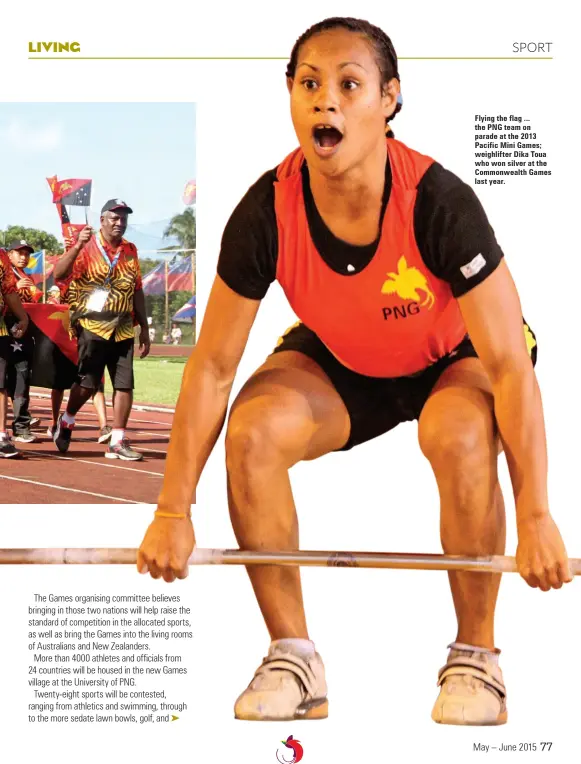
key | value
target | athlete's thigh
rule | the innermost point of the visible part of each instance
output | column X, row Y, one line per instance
column 293, row 400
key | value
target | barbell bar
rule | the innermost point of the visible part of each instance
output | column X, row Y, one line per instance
column 405, row 561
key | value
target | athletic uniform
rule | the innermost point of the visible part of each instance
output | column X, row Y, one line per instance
column 26, row 293
column 382, row 320
column 104, row 281
column 20, row 362
column 7, row 286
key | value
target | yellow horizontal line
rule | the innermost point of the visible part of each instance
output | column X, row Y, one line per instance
column 275, row 58
column 159, row 58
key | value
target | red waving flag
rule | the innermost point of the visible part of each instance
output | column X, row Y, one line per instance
column 70, row 230
column 180, row 276
column 73, row 191
column 71, row 233
column 154, row 282
column 55, row 354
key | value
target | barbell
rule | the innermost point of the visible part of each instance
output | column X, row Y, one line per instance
column 406, row 561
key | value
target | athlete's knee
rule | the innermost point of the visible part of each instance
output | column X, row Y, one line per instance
column 454, row 441
column 254, row 442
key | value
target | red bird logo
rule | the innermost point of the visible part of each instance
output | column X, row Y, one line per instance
column 296, row 748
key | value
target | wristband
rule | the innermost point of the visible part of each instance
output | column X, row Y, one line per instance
column 181, row 516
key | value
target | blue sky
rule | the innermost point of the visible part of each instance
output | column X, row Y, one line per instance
column 143, row 153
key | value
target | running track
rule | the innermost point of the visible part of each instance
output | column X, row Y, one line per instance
column 42, row 475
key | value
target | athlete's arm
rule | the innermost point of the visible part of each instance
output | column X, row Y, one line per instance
column 141, row 316
column 199, row 418
column 246, row 268
column 65, row 263
column 14, row 305
column 493, row 318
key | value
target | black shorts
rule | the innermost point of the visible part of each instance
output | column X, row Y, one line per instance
column 97, row 354
column 5, row 354
column 100, row 389
column 15, row 354
column 375, row 404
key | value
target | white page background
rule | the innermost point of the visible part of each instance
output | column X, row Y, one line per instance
column 382, row 634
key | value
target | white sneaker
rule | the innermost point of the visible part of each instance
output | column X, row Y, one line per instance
column 472, row 690
column 286, row 686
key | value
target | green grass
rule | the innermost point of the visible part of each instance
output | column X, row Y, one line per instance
column 157, row 380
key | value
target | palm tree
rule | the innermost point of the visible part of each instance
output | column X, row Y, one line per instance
column 183, row 227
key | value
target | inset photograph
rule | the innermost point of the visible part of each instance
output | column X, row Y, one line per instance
column 97, row 296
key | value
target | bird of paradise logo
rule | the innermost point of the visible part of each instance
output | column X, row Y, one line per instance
column 62, row 316
column 406, row 283
column 295, row 747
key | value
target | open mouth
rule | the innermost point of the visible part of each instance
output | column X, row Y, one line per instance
column 327, row 137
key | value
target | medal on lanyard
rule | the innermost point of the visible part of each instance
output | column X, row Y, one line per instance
column 98, row 299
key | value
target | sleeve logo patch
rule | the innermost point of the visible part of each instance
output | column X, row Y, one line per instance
column 473, row 267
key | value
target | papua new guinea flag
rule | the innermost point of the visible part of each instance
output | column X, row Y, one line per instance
column 55, row 359
column 70, row 230
column 73, row 191
column 71, row 233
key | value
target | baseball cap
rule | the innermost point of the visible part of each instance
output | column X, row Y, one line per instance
column 116, row 204
column 20, row 244
column 54, row 288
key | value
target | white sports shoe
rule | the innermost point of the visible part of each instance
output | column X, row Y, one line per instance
column 285, row 686
column 472, row 690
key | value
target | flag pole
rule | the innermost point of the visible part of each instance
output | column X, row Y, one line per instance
column 43, row 275
column 166, row 300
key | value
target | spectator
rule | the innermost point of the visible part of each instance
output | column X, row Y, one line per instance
column 54, row 295
column 176, row 334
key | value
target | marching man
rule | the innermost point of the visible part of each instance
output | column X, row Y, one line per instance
column 109, row 298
